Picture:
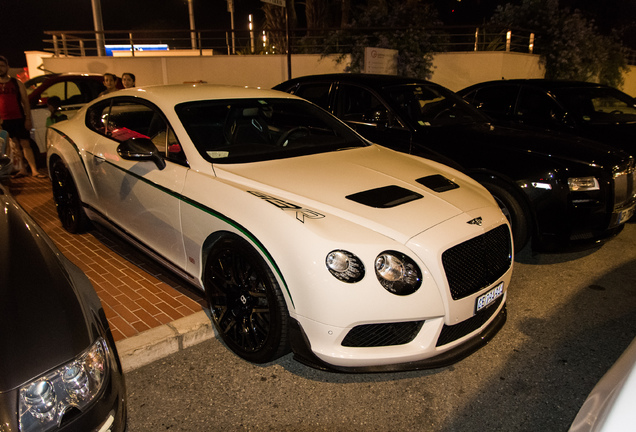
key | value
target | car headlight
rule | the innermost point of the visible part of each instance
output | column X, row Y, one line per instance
column 345, row 266
column 398, row 273
column 44, row 401
column 583, row 184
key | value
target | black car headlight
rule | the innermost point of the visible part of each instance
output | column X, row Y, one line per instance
column 398, row 273
column 345, row 266
column 583, row 184
column 44, row 401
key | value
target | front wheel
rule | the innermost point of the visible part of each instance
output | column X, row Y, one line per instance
column 246, row 303
column 67, row 199
column 513, row 210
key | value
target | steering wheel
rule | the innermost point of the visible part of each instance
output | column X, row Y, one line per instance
column 284, row 138
column 616, row 112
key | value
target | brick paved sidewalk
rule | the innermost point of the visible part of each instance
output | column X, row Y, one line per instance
column 137, row 294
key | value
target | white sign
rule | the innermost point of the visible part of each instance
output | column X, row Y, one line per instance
column 380, row 61
column 275, row 2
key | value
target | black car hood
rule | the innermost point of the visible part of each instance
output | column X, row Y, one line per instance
column 43, row 323
column 560, row 148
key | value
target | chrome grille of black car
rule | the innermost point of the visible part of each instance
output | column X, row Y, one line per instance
column 624, row 185
column 478, row 262
column 388, row 334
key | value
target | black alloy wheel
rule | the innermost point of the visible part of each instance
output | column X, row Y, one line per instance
column 246, row 303
column 514, row 212
column 67, row 199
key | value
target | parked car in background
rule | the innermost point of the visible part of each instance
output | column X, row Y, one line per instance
column 610, row 405
column 559, row 191
column 60, row 369
column 590, row 110
column 301, row 233
column 73, row 89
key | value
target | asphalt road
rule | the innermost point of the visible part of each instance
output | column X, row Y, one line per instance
column 570, row 316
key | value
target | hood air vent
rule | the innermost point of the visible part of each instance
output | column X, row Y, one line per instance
column 385, row 197
column 438, row 183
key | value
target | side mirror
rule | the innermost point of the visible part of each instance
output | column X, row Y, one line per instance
column 378, row 116
column 140, row 149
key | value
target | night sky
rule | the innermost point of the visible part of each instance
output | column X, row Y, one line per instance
column 23, row 21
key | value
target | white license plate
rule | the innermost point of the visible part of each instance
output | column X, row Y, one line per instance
column 492, row 295
column 624, row 216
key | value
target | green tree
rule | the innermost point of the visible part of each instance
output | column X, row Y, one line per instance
column 405, row 26
column 570, row 45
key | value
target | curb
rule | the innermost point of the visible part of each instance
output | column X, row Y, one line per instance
column 159, row 342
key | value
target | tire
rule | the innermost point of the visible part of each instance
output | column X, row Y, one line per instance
column 246, row 303
column 67, row 199
column 513, row 210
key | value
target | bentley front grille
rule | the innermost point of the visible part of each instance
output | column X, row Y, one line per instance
column 481, row 261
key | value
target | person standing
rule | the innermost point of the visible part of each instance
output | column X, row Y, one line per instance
column 16, row 115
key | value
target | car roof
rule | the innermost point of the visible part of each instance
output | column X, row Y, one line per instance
column 371, row 80
column 173, row 94
column 62, row 76
column 545, row 84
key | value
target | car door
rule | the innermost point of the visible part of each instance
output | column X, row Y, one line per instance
column 139, row 197
column 365, row 112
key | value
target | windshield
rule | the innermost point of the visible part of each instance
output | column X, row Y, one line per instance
column 599, row 105
column 432, row 106
column 247, row 130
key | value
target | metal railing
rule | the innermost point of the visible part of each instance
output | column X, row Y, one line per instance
column 444, row 38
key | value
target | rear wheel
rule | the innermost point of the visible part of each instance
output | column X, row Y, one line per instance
column 67, row 199
column 513, row 210
column 246, row 303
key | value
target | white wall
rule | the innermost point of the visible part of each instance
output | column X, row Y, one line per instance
column 630, row 82
column 453, row 70
column 255, row 71
column 461, row 69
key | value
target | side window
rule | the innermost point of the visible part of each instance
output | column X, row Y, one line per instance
column 68, row 92
column 316, row 93
column 56, row 89
column 359, row 105
column 537, row 106
column 127, row 119
column 496, row 101
column 97, row 117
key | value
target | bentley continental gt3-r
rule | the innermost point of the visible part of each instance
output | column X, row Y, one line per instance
column 302, row 234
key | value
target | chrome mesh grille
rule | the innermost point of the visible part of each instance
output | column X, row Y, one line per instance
column 624, row 185
column 478, row 262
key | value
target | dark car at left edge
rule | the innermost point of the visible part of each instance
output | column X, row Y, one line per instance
column 60, row 368
column 558, row 191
